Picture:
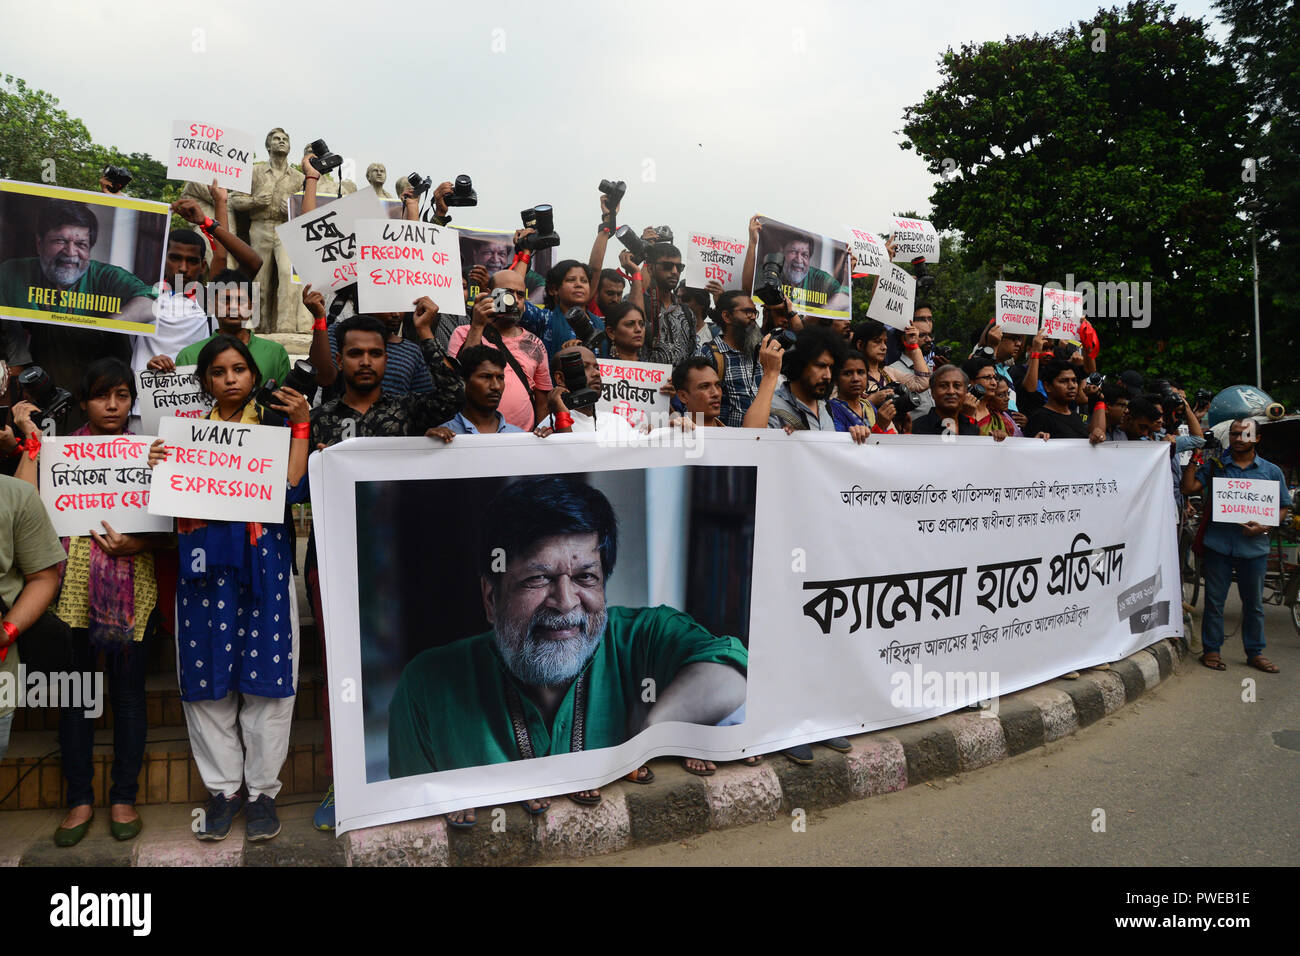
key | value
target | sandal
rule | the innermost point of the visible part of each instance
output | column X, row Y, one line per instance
column 705, row 772
column 535, row 811
column 462, row 824
column 1213, row 661
column 636, row 776
column 1262, row 663
column 753, row 761
column 586, row 801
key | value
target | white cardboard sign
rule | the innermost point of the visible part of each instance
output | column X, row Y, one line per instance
column 222, row 471
column 176, row 393
column 88, row 479
column 322, row 244
column 631, row 391
column 894, row 299
column 868, row 251
column 202, row 152
column 1018, row 307
column 400, row 261
column 712, row 258
column 1242, row 500
column 915, row 237
column 1062, row 311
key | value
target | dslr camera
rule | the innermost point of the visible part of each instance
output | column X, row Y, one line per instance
column 541, row 219
column 322, row 160
column 976, row 391
column 580, row 322
column 1203, row 397
column 38, row 388
column 784, row 338
column 613, row 191
column 505, row 302
column 577, row 394
column 118, row 177
column 924, row 280
column 904, row 403
column 768, row 289
column 1095, row 379
column 462, row 192
column 301, row 378
column 632, row 242
column 419, row 184
column 663, row 234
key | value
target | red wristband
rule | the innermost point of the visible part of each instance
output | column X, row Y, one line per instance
column 524, row 257
column 318, row 325
column 912, row 347
column 300, row 430
column 11, row 631
column 1099, row 405
column 32, row 445
column 636, row 277
column 563, row 420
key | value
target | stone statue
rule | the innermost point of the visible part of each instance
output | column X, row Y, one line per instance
column 279, row 300
column 403, row 184
column 376, row 176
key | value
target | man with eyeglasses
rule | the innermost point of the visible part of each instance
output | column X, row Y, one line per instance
column 670, row 330
column 734, row 355
column 1230, row 547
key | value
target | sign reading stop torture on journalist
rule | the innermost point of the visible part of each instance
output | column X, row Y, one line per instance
column 401, row 261
column 1243, row 500
column 202, row 152
column 223, row 471
column 86, row 480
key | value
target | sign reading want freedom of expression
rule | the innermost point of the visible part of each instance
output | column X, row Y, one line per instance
column 1017, row 307
column 87, row 479
column 201, row 152
column 630, row 390
column 176, row 393
column 400, row 261
column 915, row 237
column 322, row 244
column 895, row 295
column 1018, row 570
column 1243, row 500
column 222, row 471
column 714, row 259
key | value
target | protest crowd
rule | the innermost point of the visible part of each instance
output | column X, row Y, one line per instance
column 750, row 356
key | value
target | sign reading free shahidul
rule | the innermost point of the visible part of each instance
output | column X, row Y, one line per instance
column 89, row 479
column 869, row 253
column 1243, row 500
column 221, row 471
column 400, row 261
column 202, row 152
column 895, row 295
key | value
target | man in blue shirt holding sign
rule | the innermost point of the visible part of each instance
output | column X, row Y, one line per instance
column 1235, row 547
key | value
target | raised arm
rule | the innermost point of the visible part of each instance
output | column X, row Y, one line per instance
column 222, row 239
column 448, row 395
column 320, row 355
column 747, row 270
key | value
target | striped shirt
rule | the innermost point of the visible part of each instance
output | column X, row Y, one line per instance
column 406, row 371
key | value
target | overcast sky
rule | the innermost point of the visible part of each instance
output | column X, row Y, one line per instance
column 711, row 111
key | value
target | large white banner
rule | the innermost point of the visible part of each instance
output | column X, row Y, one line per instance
column 1002, row 565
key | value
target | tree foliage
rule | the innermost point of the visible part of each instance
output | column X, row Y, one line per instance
column 1111, row 151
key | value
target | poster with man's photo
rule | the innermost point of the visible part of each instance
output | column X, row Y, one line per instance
column 467, row 687
column 810, row 269
column 494, row 250
column 72, row 257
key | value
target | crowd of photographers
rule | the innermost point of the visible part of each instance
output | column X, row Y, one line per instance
column 507, row 365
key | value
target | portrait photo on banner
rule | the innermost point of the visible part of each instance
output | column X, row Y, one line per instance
column 72, row 256
column 813, row 269
column 478, row 597
column 494, row 250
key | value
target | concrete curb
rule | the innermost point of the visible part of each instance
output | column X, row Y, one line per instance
column 677, row 805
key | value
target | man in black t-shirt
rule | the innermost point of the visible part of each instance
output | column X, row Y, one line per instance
column 1057, row 418
column 952, row 405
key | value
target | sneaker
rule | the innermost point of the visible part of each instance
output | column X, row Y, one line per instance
column 218, row 815
column 838, row 744
column 262, row 823
column 801, row 754
column 323, row 819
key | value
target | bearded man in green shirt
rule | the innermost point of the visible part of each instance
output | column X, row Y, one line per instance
column 560, row 671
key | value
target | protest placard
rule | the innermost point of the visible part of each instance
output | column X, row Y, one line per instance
column 176, row 393
column 914, row 237
column 223, row 471
column 869, row 251
column 322, row 244
column 401, row 261
column 1017, row 306
column 894, row 298
column 714, row 259
column 1243, row 500
column 83, row 259
column 202, row 152
column 1062, row 310
column 810, row 269
column 630, row 390
column 88, row 479
column 293, row 205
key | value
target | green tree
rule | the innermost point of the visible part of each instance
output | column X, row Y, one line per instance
column 41, row 143
column 1110, row 150
column 1264, row 43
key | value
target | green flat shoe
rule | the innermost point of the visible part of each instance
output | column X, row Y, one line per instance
column 71, row 836
column 126, row 831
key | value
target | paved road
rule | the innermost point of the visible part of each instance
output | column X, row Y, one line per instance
column 1188, row 774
